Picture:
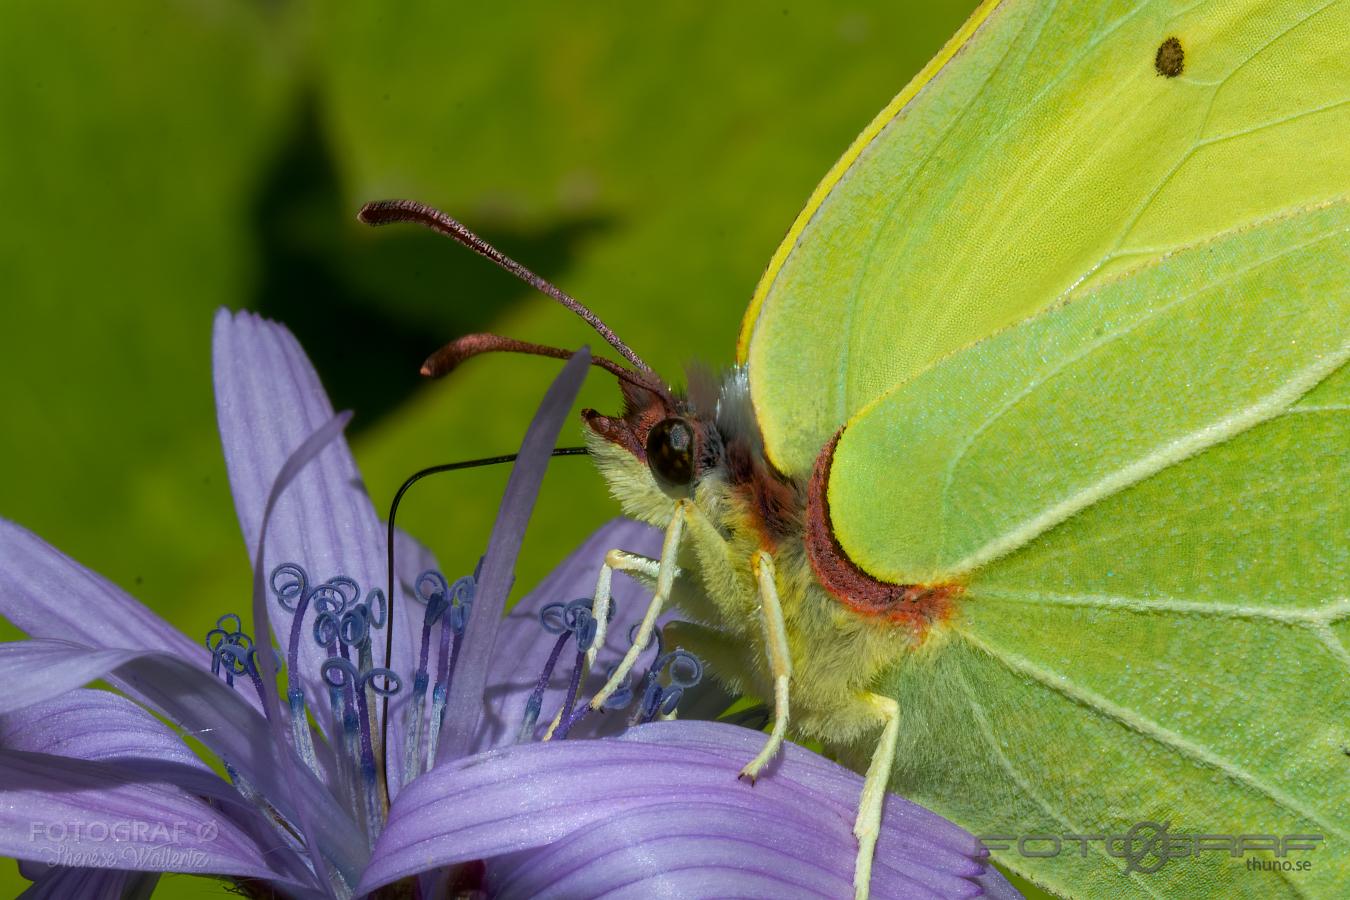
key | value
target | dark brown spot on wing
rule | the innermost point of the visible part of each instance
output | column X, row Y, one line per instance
column 1170, row 59
column 916, row 605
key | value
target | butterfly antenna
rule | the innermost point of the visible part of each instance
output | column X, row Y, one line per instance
column 384, row 212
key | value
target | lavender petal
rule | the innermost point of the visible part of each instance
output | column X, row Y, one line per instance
column 664, row 805
column 218, row 716
column 104, row 727
column 62, row 882
column 464, row 705
column 60, row 810
column 96, row 725
column 268, row 401
column 49, row 595
column 34, row 671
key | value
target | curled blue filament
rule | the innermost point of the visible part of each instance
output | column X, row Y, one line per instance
column 232, row 651
column 683, row 670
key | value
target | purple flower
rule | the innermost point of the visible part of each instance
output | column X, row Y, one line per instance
column 460, row 792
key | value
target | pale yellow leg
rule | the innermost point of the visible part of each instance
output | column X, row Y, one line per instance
column 600, row 608
column 665, row 577
column 780, row 661
column 615, row 561
column 868, row 824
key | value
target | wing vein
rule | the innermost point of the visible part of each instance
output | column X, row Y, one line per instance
column 1256, row 412
column 1320, row 616
column 1148, row 728
column 850, row 307
column 1152, row 524
column 1273, row 123
column 987, row 732
column 1334, row 644
column 1292, row 27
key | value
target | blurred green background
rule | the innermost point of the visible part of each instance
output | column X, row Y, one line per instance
column 160, row 160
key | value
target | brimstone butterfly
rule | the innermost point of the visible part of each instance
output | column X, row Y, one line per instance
column 1027, row 495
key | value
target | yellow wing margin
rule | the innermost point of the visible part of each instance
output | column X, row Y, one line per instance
column 827, row 184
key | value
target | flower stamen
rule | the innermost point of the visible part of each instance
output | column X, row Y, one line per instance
column 452, row 638
column 432, row 590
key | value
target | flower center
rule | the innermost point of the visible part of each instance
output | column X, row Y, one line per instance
column 341, row 624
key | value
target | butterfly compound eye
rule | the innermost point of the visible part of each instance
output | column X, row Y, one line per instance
column 670, row 452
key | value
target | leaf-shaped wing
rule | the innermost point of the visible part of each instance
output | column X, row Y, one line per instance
column 1042, row 150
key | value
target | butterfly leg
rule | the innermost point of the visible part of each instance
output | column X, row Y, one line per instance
column 868, row 823
column 665, row 577
column 615, row 561
column 780, row 661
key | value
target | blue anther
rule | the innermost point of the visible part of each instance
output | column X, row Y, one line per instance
column 230, row 645
column 234, row 648
column 326, row 629
column 551, row 617
column 289, row 583
column 685, row 669
column 623, row 694
column 586, row 634
column 347, row 587
column 215, row 637
column 573, row 616
column 576, row 610
column 671, row 699
column 661, row 701
column 459, row 618
column 651, row 702
column 585, row 630
column 462, row 593
column 355, row 626
column 464, row 589
column 430, row 586
column 234, row 656
column 331, row 596
column 377, row 608
column 436, row 607
column 392, row 683
column 347, row 673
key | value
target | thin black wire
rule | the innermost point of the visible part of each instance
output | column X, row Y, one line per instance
column 393, row 512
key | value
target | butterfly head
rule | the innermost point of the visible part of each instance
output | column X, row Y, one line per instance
column 702, row 443
column 664, row 445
